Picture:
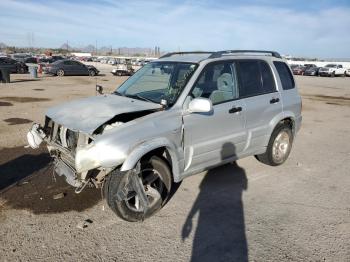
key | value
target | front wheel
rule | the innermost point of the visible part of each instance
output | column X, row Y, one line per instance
column 279, row 147
column 125, row 202
column 92, row 73
column 60, row 72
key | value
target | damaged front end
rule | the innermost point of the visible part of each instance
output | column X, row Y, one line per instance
column 74, row 135
column 73, row 153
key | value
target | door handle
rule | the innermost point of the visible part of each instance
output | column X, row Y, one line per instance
column 235, row 110
column 274, row 100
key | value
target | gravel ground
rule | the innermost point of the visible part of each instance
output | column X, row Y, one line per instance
column 299, row 211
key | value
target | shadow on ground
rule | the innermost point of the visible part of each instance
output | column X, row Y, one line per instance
column 24, row 80
column 220, row 233
column 26, row 182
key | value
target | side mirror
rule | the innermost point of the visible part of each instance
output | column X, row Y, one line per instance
column 200, row 105
column 99, row 89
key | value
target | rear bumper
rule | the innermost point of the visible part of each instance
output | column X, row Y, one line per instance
column 310, row 73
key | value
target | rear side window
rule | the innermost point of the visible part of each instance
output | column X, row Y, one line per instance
column 285, row 75
column 268, row 82
column 255, row 78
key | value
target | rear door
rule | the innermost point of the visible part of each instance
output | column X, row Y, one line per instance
column 262, row 100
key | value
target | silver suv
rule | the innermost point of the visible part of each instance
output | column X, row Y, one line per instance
column 177, row 116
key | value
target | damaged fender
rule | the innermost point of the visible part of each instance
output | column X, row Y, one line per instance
column 142, row 149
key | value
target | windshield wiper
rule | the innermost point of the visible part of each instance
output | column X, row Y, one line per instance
column 141, row 98
column 117, row 93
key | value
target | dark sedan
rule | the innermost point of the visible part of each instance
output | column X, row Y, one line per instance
column 14, row 65
column 70, row 67
column 312, row 71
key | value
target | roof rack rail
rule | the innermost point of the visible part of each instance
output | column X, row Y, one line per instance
column 227, row 52
column 185, row 53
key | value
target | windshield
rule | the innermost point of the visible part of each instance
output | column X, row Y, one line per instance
column 158, row 81
column 331, row 65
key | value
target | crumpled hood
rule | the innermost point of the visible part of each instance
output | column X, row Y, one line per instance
column 87, row 114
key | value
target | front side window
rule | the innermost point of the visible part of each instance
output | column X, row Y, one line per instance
column 158, row 81
column 218, row 82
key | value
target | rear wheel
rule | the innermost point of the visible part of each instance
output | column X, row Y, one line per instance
column 156, row 179
column 279, row 146
column 60, row 72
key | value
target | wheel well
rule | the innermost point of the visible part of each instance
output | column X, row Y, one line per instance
column 288, row 121
column 160, row 152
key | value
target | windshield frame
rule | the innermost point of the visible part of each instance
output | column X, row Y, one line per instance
column 169, row 103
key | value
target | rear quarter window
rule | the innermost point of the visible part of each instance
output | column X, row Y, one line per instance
column 285, row 75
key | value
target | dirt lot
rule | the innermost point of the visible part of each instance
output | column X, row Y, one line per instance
column 299, row 211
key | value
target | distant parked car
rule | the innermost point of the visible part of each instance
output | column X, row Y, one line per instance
column 104, row 60
column 347, row 72
column 20, row 57
column 300, row 70
column 123, row 70
column 332, row 70
column 312, row 71
column 14, row 65
column 31, row 60
column 112, row 61
column 70, row 67
column 49, row 60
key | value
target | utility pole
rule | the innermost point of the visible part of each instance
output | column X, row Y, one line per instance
column 95, row 47
column 67, row 46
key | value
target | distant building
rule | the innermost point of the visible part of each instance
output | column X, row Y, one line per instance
column 81, row 54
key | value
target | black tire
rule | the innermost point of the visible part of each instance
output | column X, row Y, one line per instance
column 21, row 70
column 269, row 158
column 60, row 72
column 333, row 74
column 127, row 209
column 92, row 73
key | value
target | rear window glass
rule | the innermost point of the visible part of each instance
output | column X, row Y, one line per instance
column 285, row 75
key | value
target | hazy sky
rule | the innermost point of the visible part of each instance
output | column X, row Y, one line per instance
column 300, row 27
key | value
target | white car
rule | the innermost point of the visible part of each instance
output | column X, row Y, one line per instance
column 332, row 70
column 112, row 61
column 347, row 72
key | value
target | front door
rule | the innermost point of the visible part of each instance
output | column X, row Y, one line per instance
column 218, row 136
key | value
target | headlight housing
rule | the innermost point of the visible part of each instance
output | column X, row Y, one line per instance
column 87, row 158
